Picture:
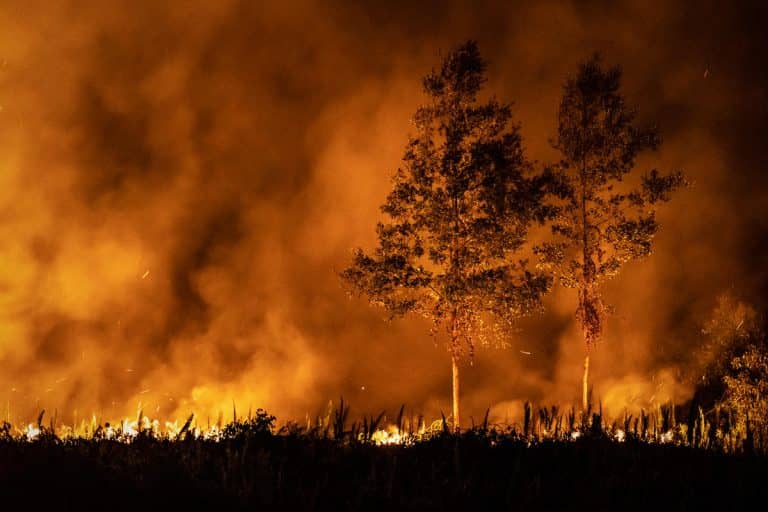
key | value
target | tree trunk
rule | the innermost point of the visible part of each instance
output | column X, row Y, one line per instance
column 455, row 372
column 455, row 352
column 585, row 384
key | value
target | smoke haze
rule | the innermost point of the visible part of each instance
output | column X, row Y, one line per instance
column 179, row 185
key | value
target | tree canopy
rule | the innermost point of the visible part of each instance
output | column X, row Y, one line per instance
column 460, row 208
column 602, row 222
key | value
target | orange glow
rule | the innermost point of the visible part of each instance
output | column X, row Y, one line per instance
column 179, row 186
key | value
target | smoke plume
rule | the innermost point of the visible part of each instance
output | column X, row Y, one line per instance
column 179, row 185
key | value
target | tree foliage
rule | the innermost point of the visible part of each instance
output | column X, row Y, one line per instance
column 732, row 362
column 746, row 388
column 731, row 328
column 602, row 222
column 458, row 213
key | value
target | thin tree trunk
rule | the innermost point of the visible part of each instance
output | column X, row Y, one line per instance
column 455, row 373
column 586, row 270
column 585, row 384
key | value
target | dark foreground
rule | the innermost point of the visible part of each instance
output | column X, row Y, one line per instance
column 284, row 472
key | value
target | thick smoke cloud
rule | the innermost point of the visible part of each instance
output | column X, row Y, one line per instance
column 179, row 184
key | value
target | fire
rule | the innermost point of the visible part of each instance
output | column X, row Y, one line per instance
column 391, row 435
column 32, row 432
column 173, row 428
column 128, row 428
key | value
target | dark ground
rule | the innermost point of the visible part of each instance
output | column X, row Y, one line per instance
column 268, row 472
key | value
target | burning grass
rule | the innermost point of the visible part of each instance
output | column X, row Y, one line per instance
column 720, row 430
column 552, row 460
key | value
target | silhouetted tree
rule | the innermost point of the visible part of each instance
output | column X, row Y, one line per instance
column 602, row 223
column 459, row 210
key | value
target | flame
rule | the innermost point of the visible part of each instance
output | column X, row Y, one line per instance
column 32, row 432
column 173, row 428
column 390, row 435
column 128, row 428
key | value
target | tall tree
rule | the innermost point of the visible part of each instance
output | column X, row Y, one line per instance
column 459, row 211
column 603, row 222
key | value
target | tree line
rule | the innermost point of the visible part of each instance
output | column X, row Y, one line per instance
column 454, row 243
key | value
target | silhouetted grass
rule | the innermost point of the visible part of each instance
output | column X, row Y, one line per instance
column 553, row 461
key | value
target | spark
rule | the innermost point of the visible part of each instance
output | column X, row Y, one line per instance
column 145, row 274
column 525, row 352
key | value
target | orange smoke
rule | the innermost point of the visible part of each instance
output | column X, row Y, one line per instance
column 179, row 185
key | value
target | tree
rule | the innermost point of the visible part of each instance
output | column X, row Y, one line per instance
column 460, row 209
column 730, row 367
column 730, row 330
column 602, row 223
column 733, row 329
column 746, row 387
